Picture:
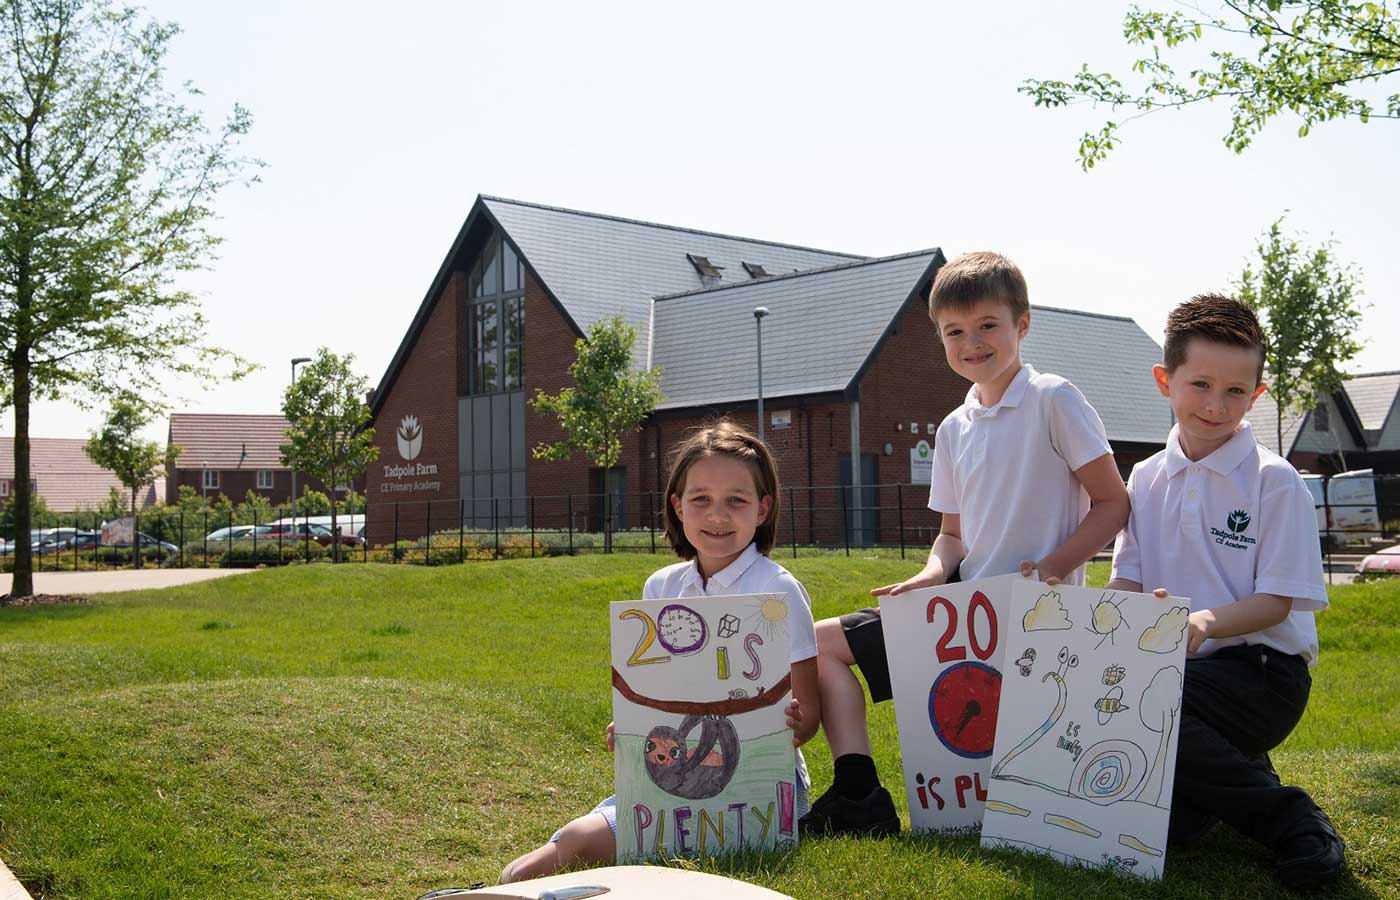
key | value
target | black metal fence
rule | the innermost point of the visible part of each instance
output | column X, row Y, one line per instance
column 888, row 517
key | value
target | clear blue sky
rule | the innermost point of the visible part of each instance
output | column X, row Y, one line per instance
column 870, row 128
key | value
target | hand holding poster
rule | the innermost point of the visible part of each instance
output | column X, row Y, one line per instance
column 1086, row 737
column 945, row 649
column 704, row 762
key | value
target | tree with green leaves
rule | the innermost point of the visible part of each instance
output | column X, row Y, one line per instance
column 1307, row 303
column 137, row 462
column 107, row 183
column 1312, row 58
column 609, row 399
column 328, row 431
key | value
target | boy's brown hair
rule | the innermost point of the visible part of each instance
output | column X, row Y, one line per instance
column 723, row 438
column 973, row 277
column 1212, row 317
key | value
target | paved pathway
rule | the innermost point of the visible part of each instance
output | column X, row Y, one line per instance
column 83, row 583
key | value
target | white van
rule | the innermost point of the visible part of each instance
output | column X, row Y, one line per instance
column 1351, row 505
column 348, row 523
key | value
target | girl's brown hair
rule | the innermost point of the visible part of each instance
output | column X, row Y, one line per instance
column 723, row 438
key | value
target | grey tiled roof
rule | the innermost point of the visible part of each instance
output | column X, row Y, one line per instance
column 1373, row 396
column 598, row 265
column 1262, row 419
column 1110, row 360
column 821, row 327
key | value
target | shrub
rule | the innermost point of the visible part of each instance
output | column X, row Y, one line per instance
column 243, row 555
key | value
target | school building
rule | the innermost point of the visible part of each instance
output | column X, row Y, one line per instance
column 852, row 368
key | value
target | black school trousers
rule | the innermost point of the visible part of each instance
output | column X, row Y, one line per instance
column 1237, row 705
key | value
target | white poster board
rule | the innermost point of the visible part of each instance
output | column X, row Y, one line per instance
column 946, row 648
column 921, row 463
column 1086, row 738
column 704, row 762
column 119, row 531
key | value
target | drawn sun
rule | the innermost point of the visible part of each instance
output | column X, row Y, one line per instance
column 767, row 616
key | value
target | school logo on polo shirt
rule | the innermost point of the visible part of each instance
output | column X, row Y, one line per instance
column 1236, row 523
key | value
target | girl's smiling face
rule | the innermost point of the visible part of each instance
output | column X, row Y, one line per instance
column 720, row 509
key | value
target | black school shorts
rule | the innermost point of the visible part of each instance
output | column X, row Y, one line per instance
column 866, row 638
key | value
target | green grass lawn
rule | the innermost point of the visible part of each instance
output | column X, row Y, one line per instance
column 378, row 731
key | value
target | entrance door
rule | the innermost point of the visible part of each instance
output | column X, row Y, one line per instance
column 864, row 512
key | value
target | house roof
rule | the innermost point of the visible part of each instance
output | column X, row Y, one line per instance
column 598, row 266
column 1373, row 397
column 822, row 327
column 66, row 477
column 1110, row 359
column 219, row 441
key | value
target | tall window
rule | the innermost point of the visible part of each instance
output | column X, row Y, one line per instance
column 496, row 320
column 1322, row 418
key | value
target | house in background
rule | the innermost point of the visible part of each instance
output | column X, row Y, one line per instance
column 232, row 455
column 66, row 477
column 852, row 369
column 1358, row 427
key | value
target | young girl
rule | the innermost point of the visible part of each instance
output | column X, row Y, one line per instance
column 721, row 516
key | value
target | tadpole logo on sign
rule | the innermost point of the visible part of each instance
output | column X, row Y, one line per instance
column 410, row 435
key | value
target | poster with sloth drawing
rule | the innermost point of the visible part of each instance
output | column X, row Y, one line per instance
column 704, row 762
column 1086, row 733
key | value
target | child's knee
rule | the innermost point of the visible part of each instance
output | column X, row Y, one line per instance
column 586, row 841
column 832, row 643
column 537, row 863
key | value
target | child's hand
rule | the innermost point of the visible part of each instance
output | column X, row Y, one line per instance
column 611, row 741
column 1030, row 568
column 921, row 580
column 794, row 720
column 1198, row 629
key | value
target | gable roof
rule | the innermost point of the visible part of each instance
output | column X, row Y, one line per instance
column 598, row 266
column 823, row 326
column 595, row 265
column 1370, row 397
column 219, row 441
column 1110, row 359
column 67, row 478
column 1373, row 397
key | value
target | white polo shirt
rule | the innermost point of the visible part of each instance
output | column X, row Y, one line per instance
column 1008, row 471
column 751, row 573
column 1239, row 522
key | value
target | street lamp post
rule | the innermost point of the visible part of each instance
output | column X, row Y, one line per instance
column 296, row 362
column 758, row 314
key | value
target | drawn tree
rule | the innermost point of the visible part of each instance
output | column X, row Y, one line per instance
column 107, row 183
column 328, row 433
column 609, row 400
column 1159, row 707
column 1311, row 58
column 1306, row 302
column 119, row 447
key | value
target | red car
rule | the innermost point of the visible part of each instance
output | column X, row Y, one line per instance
column 302, row 530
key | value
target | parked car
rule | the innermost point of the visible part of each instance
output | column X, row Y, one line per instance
column 148, row 541
column 319, row 533
column 81, row 540
column 238, row 533
column 1387, row 560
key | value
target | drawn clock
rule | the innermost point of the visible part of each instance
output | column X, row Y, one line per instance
column 962, row 707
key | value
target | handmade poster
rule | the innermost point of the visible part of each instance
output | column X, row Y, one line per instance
column 1086, row 735
column 704, row 761
column 945, row 648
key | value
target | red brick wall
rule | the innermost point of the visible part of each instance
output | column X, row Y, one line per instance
column 426, row 388
column 236, row 483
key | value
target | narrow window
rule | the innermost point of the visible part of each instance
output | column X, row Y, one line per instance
column 211, row 479
column 264, row 479
column 1322, row 418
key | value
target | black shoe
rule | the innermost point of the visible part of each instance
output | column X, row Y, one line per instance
column 1189, row 826
column 1311, row 859
column 833, row 814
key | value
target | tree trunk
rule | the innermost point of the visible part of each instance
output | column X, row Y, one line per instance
column 607, row 511
column 135, row 534
column 1278, row 425
column 335, row 529
column 22, row 584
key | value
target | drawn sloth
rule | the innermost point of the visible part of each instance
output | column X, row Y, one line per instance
column 698, row 772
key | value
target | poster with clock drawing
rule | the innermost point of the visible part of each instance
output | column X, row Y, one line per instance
column 946, row 650
column 704, row 763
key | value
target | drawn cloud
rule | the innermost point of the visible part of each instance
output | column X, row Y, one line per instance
column 1048, row 614
column 1167, row 634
